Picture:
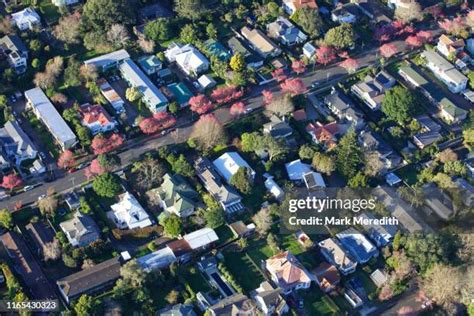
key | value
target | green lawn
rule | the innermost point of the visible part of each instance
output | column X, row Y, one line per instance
column 318, row 303
column 245, row 272
column 196, row 281
column 258, row 250
column 49, row 11
column 224, row 233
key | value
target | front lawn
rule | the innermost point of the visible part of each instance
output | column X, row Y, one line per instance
column 258, row 250
column 318, row 303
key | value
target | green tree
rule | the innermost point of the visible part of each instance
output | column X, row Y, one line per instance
column 133, row 94
column 180, row 165
column 242, row 180
column 71, row 73
column 398, row 104
column 173, row 226
column 358, row 181
column 6, row 219
column 107, row 185
column 214, row 217
column 108, row 161
column 159, row 30
column 309, row 20
column 323, row 163
column 84, row 135
column 468, row 135
column 340, row 37
column 84, row 205
column 470, row 75
column 190, row 9
column 100, row 15
column 35, row 63
column 85, row 305
column 173, row 107
column 396, row 240
column 188, row 34
column 455, row 168
column 348, row 155
column 211, row 31
column 306, row 152
column 3, row 100
column 69, row 261
column 248, row 141
column 237, row 62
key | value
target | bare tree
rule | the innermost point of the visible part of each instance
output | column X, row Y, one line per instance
column 6, row 26
column 444, row 284
column 118, row 35
column 208, row 132
column 52, row 250
column 148, row 173
column 59, row 98
column 280, row 106
column 47, row 79
column 373, row 164
column 263, row 220
column 89, row 73
column 68, row 29
column 48, row 204
column 447, row 155
column 409, row 12
column 147, row 46
column 87, row 263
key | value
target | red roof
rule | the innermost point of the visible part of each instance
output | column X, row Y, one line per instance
column 324, row 133
column 300, row 115
column 94, row 113
column 298, row 4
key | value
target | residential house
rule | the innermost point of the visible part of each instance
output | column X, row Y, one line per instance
column 466, row 190
column 450, row 112
column 37, row 168
column 324, row 134
column 290, row 6
column 62, row 3
column 260, row 42
column 469, row 163
column 216, row 49
column 327, row 277
column 177, row 196
column 81, row 230
column 235, row 304
column 445, row 71
column 150, row 64
column 314, row 180
column 379, row 277
column 179, row 250
column 277, row 128
column 4, row 163
column 346, row 13
column 302, row 173
column 111, row 96
column 287, row 272
column 41, row 234
column 343, row 108
column 47, row 113
column 241, row 230
column 151, row 95
column 309, row 51
column 400, row 209
column 179, row 92
column 13, row 48
column 72, row 200
column 372, row 89
column 26, row 267
column 227, row 196
column 96, row 118
column 206, row 82
column 372, row 142
column 229, row 163
column 470, row 46
column 269, row 300
column 178, row 310
column 429, row 133
column 16, row 144
column 373, row 10
column 450, row 47
column 188, row 58
column 108, row 61
column 382, row 235
column 273, row 187
column 438, row 201
column 335, row 254
column 251, row 59
column 286, row 32
column 361, row 249
column 26, row 19
column 90, row 281
column 128, row 213
column 352, row 295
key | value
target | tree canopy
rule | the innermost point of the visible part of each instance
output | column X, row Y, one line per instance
column 398, row 104
column 349, row 156
column 340, row 37
column 107, row 185
column 309, row 20
column 100, row 15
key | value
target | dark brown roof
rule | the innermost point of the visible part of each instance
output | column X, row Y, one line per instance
column 179, row 247
column 27, row 267
column 239, row 228
column 40, row 233
column 91, row 278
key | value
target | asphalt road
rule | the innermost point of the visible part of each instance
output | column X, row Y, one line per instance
column 324, row 76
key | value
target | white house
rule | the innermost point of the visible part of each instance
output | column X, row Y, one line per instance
column 188, row 58
column 15, row 50
column 26, row 19
column 286, row 32
column 273, row 187
column 112, row 96
column 449, row 46
column 62, row 3
column 128, row 213
column 229, row 163
column 15, row 143
column 290, row 6
column 47, row 113
column 337, row 256
column 445, row 71
column 269, row 300
column 309, row 50
column 345, row 14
